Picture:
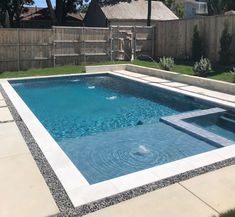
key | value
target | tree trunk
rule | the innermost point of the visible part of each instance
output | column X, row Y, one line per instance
column 149, row 12
column 52, row 12
column 17, row 19
column 59, row 11
column 11, row 19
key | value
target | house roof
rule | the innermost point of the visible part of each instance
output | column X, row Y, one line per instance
column 34, row 13
column 137, row 10
column 231, row 12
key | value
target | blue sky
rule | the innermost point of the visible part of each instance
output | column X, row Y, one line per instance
column 42, row 3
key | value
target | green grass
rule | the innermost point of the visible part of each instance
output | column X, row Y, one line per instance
column 70, row 69
column 41, row 72
column 219, row 73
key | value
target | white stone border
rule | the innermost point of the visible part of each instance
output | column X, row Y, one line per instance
column 215, row 85
column 78, row 189
column 178, row 121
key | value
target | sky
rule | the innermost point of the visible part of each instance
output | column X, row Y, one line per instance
column 42, row 3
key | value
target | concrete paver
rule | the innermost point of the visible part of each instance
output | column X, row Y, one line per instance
column 12, row 143
column 129, row 73
column 175, row 84
column 155, row 79
column 168, row 202
column 215, row 188
column 23, row 190
column 2, row 103
column 183, row 86
column 216, row 94
column 5, row 115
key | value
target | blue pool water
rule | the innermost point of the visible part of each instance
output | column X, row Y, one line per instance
column 218, row 124
column 110, row 126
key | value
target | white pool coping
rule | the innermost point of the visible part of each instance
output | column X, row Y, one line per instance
column 77, row 187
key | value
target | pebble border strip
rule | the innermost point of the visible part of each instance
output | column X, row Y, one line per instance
column 59, row 194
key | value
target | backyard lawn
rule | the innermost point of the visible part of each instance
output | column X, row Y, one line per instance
column 219, row 73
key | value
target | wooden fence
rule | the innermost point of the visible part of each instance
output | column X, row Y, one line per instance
column 22, row 49
column 174, row 38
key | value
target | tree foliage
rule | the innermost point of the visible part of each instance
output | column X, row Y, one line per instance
column 177, row 8
column 220, row 6
column 14, row 8
column 63, row 7
column 168, row 3
column 83, row 8
column 197, row 44
column 225, row 46
column 2, row 17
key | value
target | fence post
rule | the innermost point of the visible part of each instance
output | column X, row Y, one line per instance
column 153, row 41
column 83, row 45
column 54, row 46
column 134, row 43
column 111, row 43
column 18, row 46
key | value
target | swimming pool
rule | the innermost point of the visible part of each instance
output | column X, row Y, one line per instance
column 103, row 133
column 108, row 126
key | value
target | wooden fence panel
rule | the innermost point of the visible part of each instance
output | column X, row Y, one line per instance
column 174, row 38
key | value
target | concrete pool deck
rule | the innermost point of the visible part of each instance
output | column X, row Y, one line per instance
column 22, row 187
column 203, row 195
column 178, row 85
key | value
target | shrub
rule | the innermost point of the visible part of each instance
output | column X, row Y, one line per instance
column 233, row 75
column 225, row 44
column 230, row 213
column 202, row 68
column 166, row 63
column 197, row 44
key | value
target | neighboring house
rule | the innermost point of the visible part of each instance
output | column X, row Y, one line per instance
column 193, row 8
column 34, row 17
column 125, row 14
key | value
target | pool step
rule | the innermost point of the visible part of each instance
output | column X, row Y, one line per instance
column 227, row 121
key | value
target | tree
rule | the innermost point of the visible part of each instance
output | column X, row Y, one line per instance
column 169, row 3
column 2, row 17
column 14, row 9
column 52, row 12
column 63, row 7
column 220, row 6
column 197, row 45
column 230, row 5
column 177, row 8
column 84, row 8
column 225, row 46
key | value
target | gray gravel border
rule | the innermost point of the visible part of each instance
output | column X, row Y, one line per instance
column 59, row 194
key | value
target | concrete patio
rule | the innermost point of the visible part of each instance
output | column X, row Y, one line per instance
column 204, row 196
column 23, row 190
